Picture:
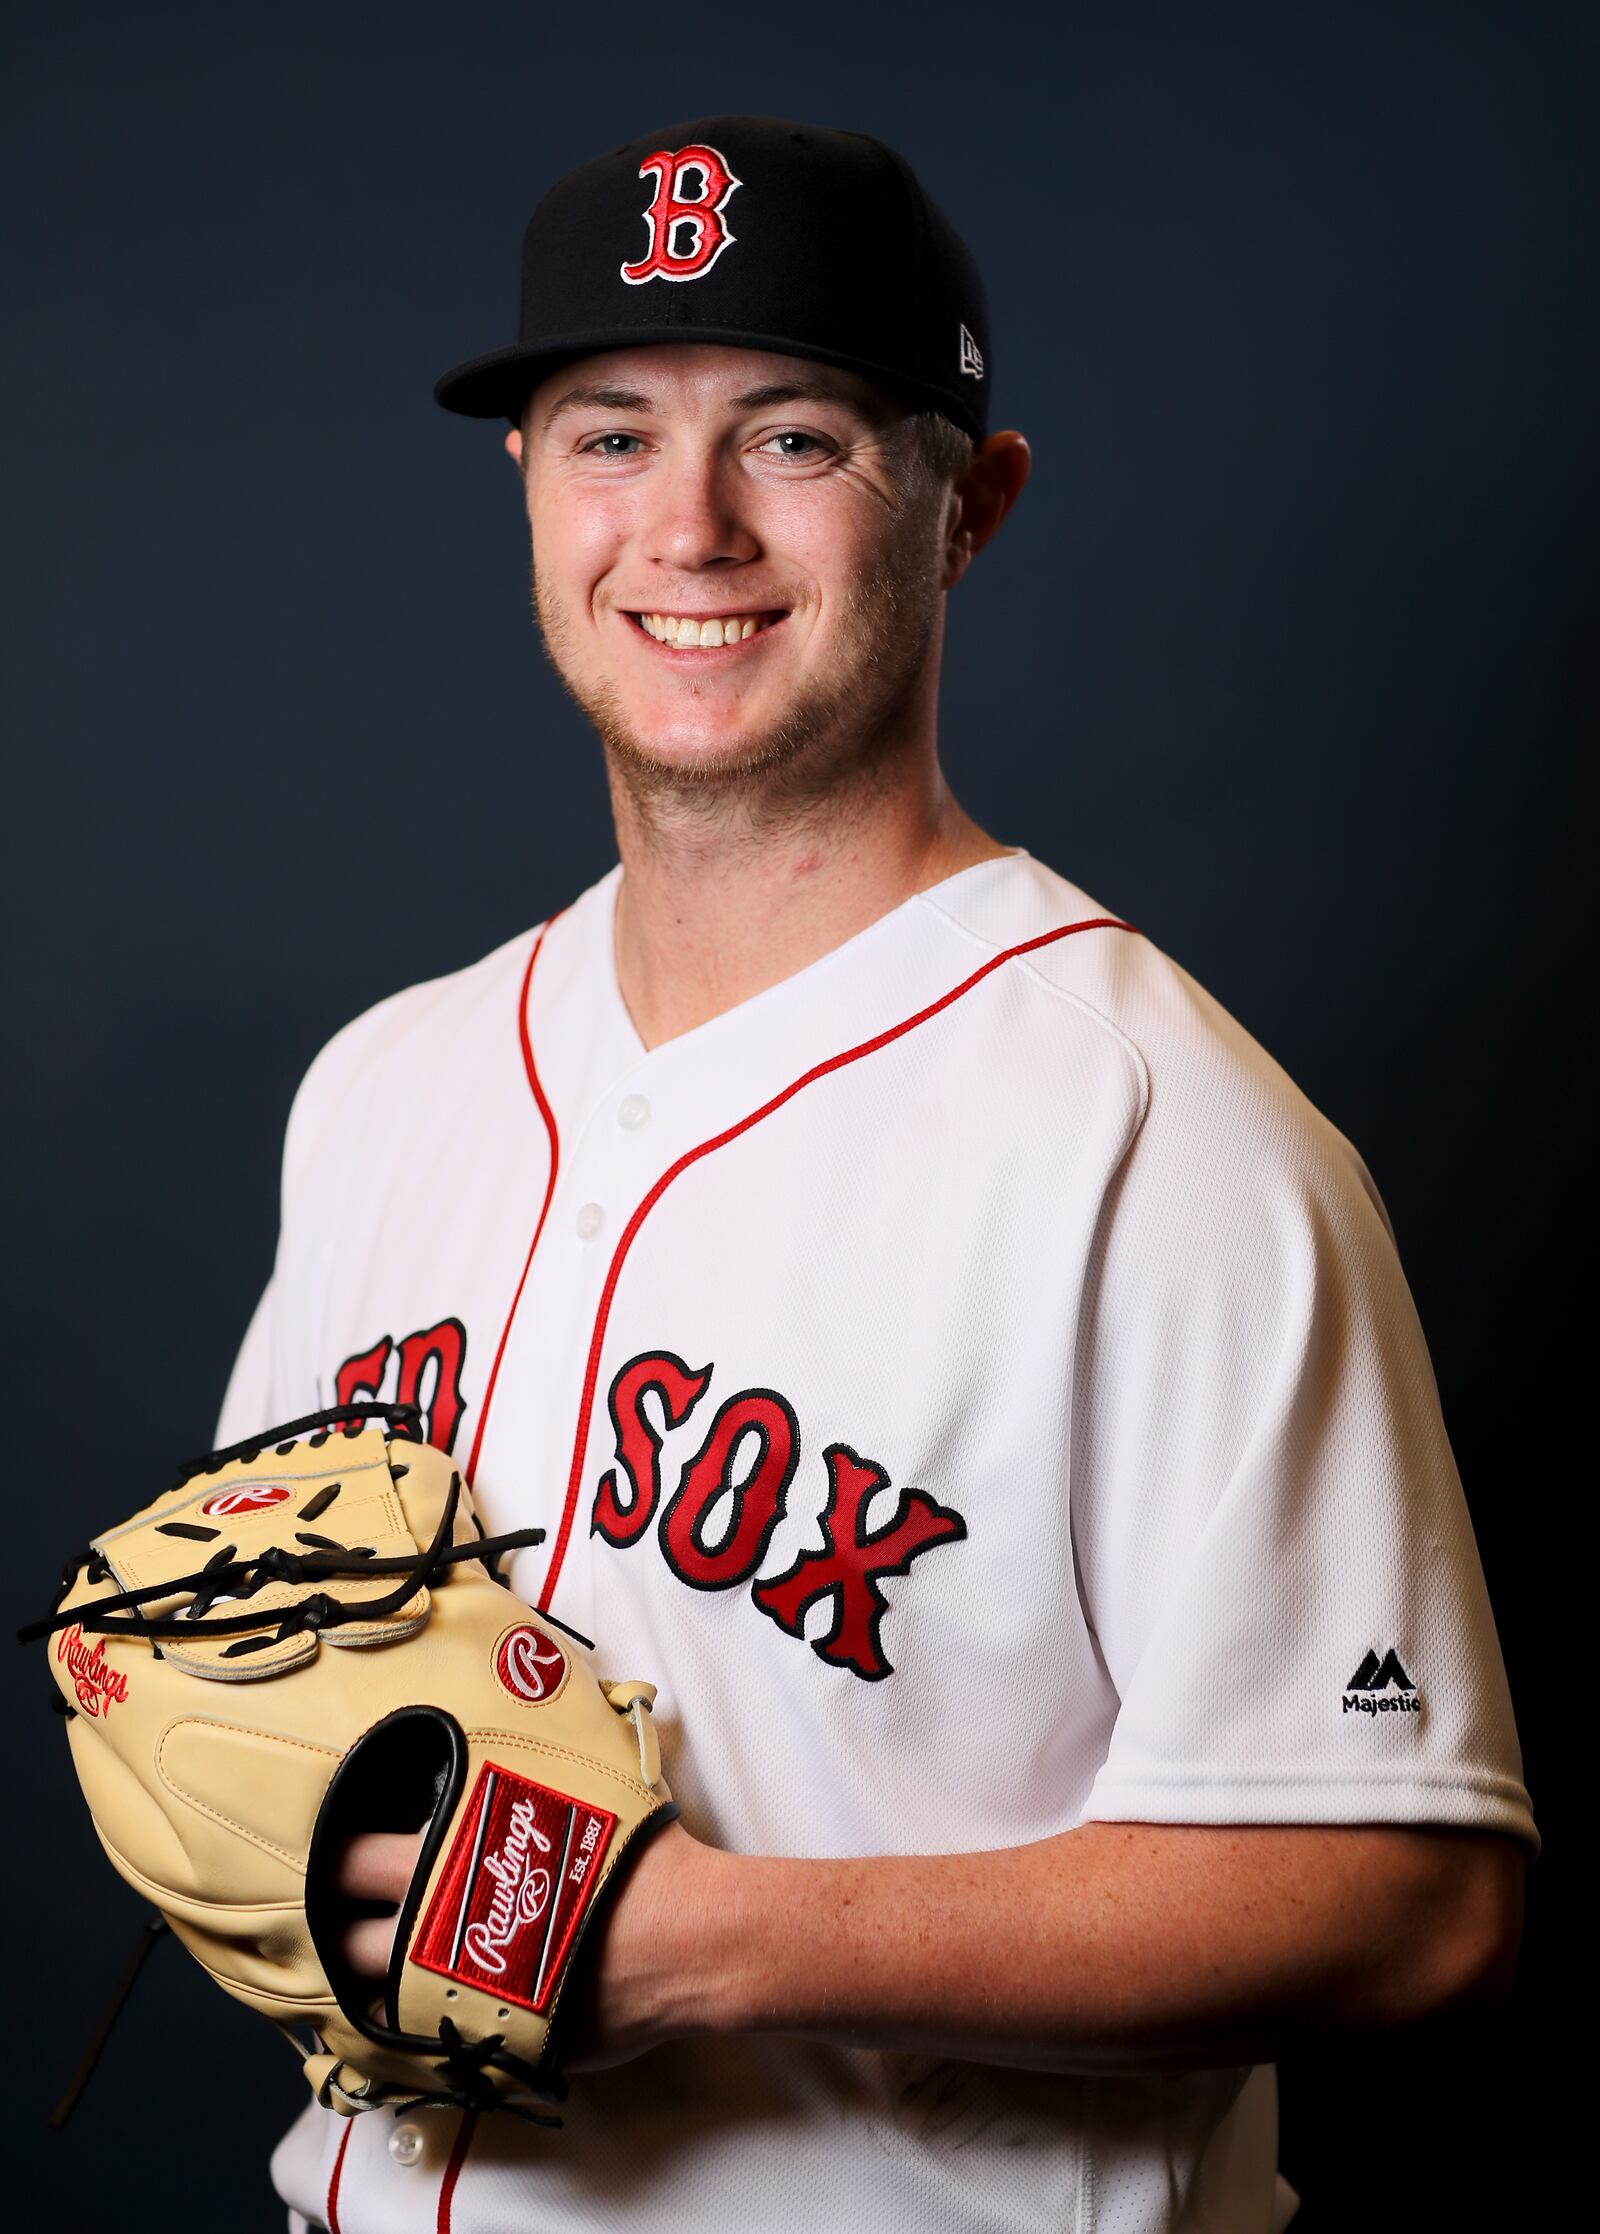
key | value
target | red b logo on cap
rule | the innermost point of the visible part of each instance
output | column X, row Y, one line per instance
column 670, row 216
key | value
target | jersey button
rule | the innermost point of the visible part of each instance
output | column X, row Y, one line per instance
column 589, row 1221
column 632, row 1112
column 406, row 2144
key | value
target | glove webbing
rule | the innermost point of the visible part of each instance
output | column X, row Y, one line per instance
column 225, row 1576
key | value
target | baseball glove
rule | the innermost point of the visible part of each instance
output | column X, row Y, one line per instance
column 308, row 1637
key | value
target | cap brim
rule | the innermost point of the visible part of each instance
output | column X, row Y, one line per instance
column 498, row 385
column 495, row 386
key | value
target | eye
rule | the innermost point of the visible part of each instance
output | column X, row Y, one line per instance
column 596, row 449
column 792, row 435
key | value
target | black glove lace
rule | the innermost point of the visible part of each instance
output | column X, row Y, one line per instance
column 226, row 1576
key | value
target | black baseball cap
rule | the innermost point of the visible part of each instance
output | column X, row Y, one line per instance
column 755, row 232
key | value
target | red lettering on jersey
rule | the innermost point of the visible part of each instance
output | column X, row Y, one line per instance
column 757, row 1500
column 360, row 1377
column 717, row 1555
column 848, row 1566
column 624, row 1520
column 423, row 1368
column 445, row 1346
column 673, row 214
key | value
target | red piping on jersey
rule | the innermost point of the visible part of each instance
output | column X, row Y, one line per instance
column 336, row 2175
column 452, row 2171
column 548, row 1115
column 447, row 2187
column 721, row 1140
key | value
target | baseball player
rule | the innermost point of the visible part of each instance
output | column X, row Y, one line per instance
column 938, row 1344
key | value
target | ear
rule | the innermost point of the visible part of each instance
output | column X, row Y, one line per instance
column 981, row 499
column 514, row 447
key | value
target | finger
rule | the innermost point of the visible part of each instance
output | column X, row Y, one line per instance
column 367, row 1946
column 378, row 1865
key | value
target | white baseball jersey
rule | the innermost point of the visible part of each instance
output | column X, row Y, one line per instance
column 981, row 1391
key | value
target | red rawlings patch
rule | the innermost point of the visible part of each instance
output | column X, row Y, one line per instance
column 513, row 1892
column 99, row 1687
column 530, row 1665
column 260, row 1497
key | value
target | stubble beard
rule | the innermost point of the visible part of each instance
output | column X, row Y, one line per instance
column 832, row 740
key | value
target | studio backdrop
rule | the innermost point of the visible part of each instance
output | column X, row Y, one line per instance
column 1277, row 658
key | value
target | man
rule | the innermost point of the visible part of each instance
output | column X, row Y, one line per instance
column 944, row 1351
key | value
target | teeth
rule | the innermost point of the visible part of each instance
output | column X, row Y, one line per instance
column 684, row 631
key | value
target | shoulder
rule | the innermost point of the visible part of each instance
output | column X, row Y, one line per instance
column 417, row 1031
column 442, row 1025
column 1220, row 1124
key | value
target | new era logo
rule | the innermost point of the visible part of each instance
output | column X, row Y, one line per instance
column 971, row 356
column 1375, row 1676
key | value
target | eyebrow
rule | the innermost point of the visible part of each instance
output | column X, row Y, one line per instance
column 753, row 399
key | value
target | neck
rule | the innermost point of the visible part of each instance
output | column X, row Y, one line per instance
column 719, row 902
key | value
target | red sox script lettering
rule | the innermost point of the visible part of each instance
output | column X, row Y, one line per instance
column 750, row 1500
column 421, row 1368
column 521, row 1895
column 98, row 1687
column 620, row 1518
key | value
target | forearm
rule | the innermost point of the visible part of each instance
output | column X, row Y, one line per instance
column 1115, row 1946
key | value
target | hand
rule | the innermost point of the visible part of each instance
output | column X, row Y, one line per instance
column 375, row 1866
column 632, row 1989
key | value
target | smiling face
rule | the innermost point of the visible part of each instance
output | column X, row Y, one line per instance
column 738, row 563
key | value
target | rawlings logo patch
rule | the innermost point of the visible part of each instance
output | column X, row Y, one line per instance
column 530, row 1665
column 260, row 1497
column 514, row 1888
column 99, row 1687
column 687, row 231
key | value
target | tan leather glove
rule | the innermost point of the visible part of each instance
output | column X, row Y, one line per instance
column 308, row 1638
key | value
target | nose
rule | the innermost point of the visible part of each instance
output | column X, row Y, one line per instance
column 696, row 517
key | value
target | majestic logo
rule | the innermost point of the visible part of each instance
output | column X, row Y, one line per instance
column 98, row 1687
column 715, row 1528
column 971, row 356
column 1375, row 1676
column 530, row 1665
column 260, row 1497
column 517, row 1880
column 687, row 231
column 421, row 1368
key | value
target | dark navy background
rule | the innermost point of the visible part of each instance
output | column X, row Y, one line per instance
column 1278, row 657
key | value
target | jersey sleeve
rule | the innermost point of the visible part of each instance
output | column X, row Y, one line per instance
column 248, row 1403
column 1274, row 1547
column 269, row 1382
